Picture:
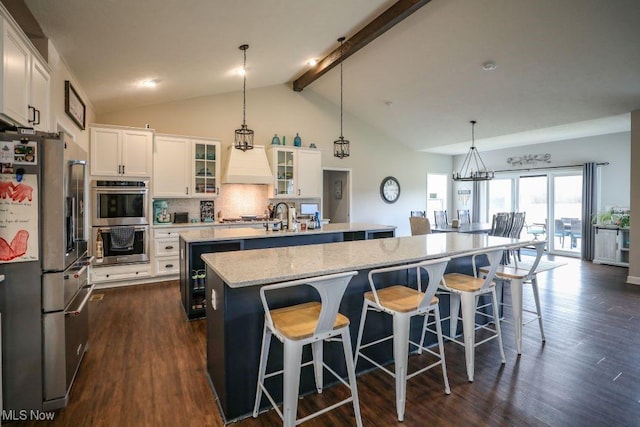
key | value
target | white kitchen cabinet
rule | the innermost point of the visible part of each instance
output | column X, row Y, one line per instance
column 296, row 172
column 166, row 251
column 122, row 152
column 611, row 246
column 171, row 166
column 186, row 167
column 39, row 90
column 205, row 156
column 120, row 273
column 24, row 98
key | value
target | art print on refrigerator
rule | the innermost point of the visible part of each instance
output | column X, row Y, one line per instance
column 18, row 218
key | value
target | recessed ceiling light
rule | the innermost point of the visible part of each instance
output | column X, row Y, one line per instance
column 149, row 83
column 489, row 66
column 241, row 71
column 312, row 62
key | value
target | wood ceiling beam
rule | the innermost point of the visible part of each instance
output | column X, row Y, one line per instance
column 385, row 21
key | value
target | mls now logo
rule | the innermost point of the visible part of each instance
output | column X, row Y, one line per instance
column 27, row 415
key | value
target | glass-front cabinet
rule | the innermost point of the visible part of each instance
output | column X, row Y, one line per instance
column 206, row 169
column 285, row 184
column 296, row 172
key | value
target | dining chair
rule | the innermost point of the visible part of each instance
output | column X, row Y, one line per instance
column 440, row 218
column 560, row 230
column 576, row 232
column 515, row 230
column 419, row 213
column 501, row 224
column 464, row 216
column 419, row 225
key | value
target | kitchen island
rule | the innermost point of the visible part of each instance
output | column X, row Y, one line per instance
column 235, row 315
column 194, row 243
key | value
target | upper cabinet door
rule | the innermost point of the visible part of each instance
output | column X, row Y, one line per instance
column 105, row 152
column 171, row 166
column 39, row 96
column 205, row 168
column 15, row 75
column 309, row 173
column 137, row 148
column 121, row 152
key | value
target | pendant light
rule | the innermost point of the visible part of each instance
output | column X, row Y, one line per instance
column 473, row 168
column 341, row 145
column 244, row 135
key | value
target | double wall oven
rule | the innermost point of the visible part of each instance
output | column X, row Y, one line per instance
column 120, row 215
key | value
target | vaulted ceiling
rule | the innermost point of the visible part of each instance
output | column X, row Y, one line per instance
column 563, row 68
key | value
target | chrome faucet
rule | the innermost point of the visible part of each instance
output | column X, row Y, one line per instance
column 281, row 219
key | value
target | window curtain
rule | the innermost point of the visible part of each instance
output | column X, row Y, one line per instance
column 589, row 209
column 475, row 208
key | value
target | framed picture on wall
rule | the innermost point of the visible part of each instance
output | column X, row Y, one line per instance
column 73, row 105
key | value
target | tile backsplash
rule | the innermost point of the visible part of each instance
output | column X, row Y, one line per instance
column 234, row 200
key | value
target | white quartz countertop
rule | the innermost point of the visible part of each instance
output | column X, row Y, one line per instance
column 220, row 234
column 260, row 266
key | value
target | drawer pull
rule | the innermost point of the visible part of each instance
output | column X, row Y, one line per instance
column 168, row 247
column 168, row 266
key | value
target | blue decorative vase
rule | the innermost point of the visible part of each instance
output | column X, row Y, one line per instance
column 297, row 141
column 275, row 140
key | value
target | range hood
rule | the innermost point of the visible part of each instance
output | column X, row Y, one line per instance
column 247, row 167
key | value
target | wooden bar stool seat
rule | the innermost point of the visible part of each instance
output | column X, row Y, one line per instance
column 402, row 303
column 300, row 321
column 298, row 325
column 399, row 298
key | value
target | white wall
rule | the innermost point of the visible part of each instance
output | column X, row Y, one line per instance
column 278, row 109
column 58, row 118
column 613, row 148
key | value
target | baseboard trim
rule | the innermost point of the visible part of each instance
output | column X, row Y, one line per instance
column 634, row 280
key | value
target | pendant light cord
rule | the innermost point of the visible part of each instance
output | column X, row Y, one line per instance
column 244, row 85
column 341, row 40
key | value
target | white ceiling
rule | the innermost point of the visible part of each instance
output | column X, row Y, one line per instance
column 565, row 68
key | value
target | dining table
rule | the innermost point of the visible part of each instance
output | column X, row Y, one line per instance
column 473, row 228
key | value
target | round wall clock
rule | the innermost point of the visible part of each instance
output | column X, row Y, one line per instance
column 390, row 189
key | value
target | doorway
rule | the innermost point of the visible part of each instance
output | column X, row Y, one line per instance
column 336, row 195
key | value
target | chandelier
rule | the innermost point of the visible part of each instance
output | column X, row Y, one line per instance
column 341, row 145
column 473, row 168
column 244, row 135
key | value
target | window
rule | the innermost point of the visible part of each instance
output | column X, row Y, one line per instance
column 436, row 193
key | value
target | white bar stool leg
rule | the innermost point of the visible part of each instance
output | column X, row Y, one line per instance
column 316, row 348
column 516, row 305
column 351, row 372
column 291, row 383
column 436, row 312
column 363, row 317
column 496, row 319
column 536, row 296
column 264, row 356
column 400, row 357
column 454, row 313
column 468, row 301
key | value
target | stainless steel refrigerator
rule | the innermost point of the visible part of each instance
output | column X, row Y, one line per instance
column 43, row 256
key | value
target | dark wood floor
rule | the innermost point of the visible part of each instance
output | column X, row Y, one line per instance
column 146, row 366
